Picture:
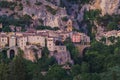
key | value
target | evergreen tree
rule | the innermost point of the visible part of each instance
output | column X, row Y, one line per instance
column 18, row 69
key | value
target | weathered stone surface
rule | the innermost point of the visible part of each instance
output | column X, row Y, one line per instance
column 49, row 19
column 108, row 6
column 31, row 52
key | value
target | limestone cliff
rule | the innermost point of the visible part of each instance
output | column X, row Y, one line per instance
column 108, row 6
column 32, row 52
column 49, row 13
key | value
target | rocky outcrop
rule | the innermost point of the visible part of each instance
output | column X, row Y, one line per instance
column 108, row 6
column 32, row 53
column 40, row 12
column 62, row 57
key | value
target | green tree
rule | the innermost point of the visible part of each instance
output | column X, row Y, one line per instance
column 84, row 67
column 112, row 74
column 112, row 26
column 76, row 69
column 18, row 69
column 6, row 29
column 4, row 71
column 87, row 76
column 75, row 55
column 112, row 39
column 55, row 72
column 117, row 50
column 103, row 39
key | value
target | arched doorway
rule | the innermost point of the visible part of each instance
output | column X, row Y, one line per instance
column 4, row 54
column 84, row 51
column 12, row 54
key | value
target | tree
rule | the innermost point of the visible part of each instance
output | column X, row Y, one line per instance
column 18, row 69
column 87, row 76
column 112, row 26
column 103, row 39
column 4, row 71
column 73, row 51
column 112, row 39
column 45, row 51
column 84, row 67
column 55, row 72
column 117, row 50
column 45, row 62
column 112, row 74
column 76, row 69
column 6, row 29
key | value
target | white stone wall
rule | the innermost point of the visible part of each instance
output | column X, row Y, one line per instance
column 3, row 41
column 21, row 42
column 50, row 44
column 37, row 40
column 12, row 41
column 60, row 48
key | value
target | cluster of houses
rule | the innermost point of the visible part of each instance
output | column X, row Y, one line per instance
column 108, row 35
column 38, row 39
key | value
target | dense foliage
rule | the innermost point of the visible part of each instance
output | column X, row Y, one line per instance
column 46, row 27
column 23, row 21
column 51, row 10
column 6, row 4
column 100, row 62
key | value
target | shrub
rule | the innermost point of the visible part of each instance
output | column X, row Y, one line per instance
column 51, row 10
column 64, row 18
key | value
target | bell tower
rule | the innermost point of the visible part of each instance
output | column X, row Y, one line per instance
column 1, row 27
column 69, row 25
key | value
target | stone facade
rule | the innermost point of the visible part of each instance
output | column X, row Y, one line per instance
column 37, row 40
column 33, row 42
column 22, row 42
column 12, row 41
column 80, row 38
column 3, row 40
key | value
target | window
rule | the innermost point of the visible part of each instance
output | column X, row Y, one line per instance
column 38, row 38
column 2, row 39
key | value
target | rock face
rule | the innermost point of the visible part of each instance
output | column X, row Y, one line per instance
column 108, row 6
column 62, row 57
column 31, row 52
column 40, row 12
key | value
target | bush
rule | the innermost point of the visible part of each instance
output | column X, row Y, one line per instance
column 38, row 3
column 110, row 22
column 51, row 10
column 5, row 4
column 46, row 27
column 112, row 26
column 64, row 18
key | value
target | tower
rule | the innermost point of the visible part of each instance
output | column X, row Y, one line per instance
column 69, row 25
column 1, row 27
column 12, row 40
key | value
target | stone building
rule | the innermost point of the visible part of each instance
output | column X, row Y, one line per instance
column 36, row 40
column 32, row 42
column 50, row 44
column 76, row 38
column 22, row 42
column 80, row 38
column 12, row 41
column 3, row 40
